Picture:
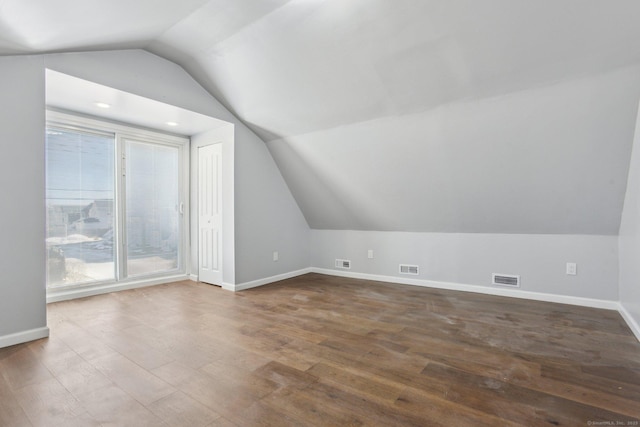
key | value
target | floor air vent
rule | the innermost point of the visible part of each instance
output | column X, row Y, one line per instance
column 343, row 263
column 409, row 269
column 506, row 280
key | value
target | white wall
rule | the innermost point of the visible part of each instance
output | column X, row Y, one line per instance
column 629, row 241
column 22, row 217
column 470, row 259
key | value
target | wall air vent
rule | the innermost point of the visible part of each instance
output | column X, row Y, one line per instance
column 506, row 280
column 343, row 263
column 409, row 269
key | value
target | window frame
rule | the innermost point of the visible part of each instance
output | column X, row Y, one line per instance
column 122, row 132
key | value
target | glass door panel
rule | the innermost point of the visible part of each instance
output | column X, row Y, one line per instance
column 80, row 188
column 152, row 208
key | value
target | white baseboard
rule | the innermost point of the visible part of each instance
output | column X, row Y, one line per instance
column 267, row 280
column 633, row 325
column 228, row 286
column 514, row 293
column 55, row 295
column 24, row 336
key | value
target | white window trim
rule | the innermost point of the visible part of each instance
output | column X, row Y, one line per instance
column 123, row 132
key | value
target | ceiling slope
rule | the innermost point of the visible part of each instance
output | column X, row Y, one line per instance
column 302, row 66
column 411, row 115
column 497, row 116
column 37, row 26
column 549, row 160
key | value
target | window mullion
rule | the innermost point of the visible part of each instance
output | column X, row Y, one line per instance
column 120, row 174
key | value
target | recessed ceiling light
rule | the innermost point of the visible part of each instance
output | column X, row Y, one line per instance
column 172, row 124
column 102, row 105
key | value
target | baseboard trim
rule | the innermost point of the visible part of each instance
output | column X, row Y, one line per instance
column 513, row 293
column 631, row 322
column 267, row 280
column 24, row 336
column 228, row 286
column 193, row 277
column 67, row 294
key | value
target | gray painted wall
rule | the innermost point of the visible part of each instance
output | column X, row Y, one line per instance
column 266, row 215
column 22, row 217
column 630, row 238
column 470, row 259
column 547, row 160
column 556, row 131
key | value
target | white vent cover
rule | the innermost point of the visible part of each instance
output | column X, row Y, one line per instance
column 409, row 269
column 506, row 280
column 343, row 263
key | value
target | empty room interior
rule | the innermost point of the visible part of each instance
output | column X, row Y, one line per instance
column 320, row 213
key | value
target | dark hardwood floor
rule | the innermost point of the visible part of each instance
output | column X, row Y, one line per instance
column 320, row 350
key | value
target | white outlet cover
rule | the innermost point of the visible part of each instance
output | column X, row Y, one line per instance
column 572, row 268
column 370, row 254
column 275, row 256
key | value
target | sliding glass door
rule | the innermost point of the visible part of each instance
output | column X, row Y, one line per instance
column 80, row 206
column 114, row 203
column 152, row 208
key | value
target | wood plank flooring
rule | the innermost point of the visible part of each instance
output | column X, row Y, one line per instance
column 321, row 351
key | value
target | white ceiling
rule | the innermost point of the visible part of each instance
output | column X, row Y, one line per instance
column 312, row 65
column 70, row 93
column 43, row 26
column 321, row 79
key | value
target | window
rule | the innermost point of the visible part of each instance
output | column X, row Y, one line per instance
column 114, row 200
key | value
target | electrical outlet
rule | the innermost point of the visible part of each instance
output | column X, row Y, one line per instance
column 275, row 256
column 572, row 268
column 370, row 254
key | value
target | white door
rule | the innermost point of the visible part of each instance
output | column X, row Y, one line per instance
column 210, row 214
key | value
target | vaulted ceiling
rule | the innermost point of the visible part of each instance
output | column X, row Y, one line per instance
column 507, row 116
